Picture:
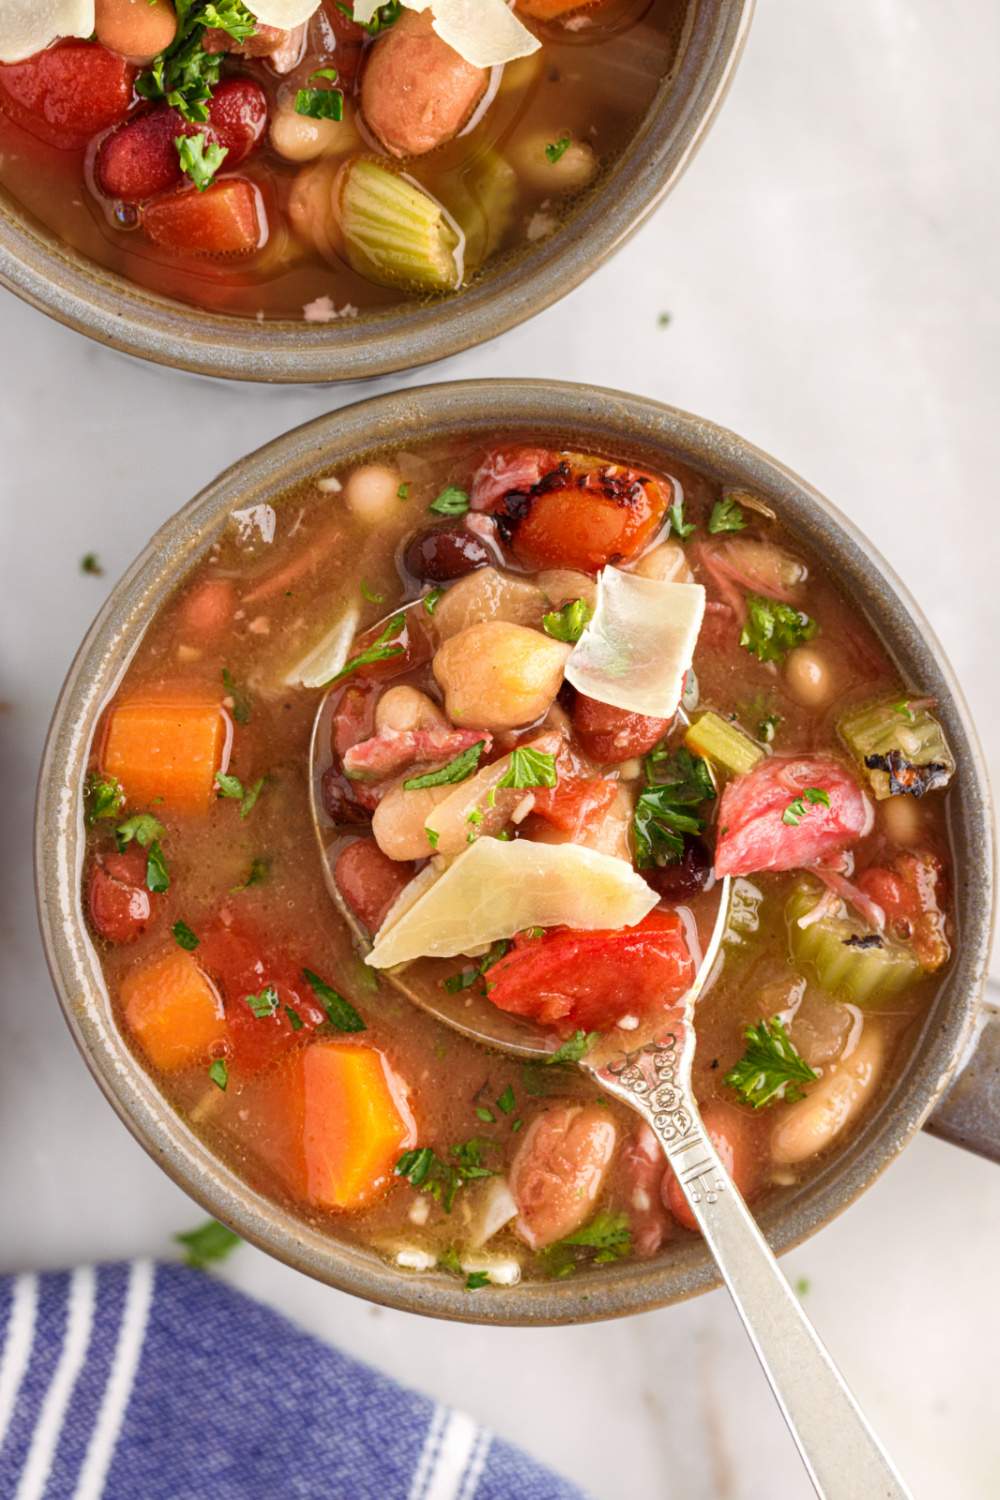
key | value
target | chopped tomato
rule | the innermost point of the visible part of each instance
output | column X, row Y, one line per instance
column 582, row 513
column 611, row 735
column 413, row 641
column 911, row 892
column 223, row 220
column 590, row 980
column 788, row 812
column 574, row 802
column 66, row 94
column 370, row 881
column 120, row 905
column 242, row 963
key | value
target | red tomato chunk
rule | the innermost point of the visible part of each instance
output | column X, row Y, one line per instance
column 221, row 221
column 120, row 906
column 66, row 94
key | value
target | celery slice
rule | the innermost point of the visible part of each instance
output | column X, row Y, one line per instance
column 725, row 744
column 396, row 234
column 483, row 204
column 902, row 747
column 832, row 948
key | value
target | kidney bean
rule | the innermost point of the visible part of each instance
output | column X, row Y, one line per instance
column 440, row 553
column 339, row 801
column 120, row 906
column 370, row 881
column 559, row 1170
column 734, row 1135
column 612, row 735
column 681, row 881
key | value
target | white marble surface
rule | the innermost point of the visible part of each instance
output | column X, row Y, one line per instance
column 830, row 267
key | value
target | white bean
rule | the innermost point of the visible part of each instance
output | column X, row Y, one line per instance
column 404, row 708
column 488, row 594
column 667, row 563
column 301, row 138
column 499, row 676
column 902, row 818
column 398, row 823
column 805, row 1128
column 808, row 677
column 372, row 492
column 567, row 173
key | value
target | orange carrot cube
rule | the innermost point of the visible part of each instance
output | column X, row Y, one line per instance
column 163, row 750
column 173, row 1011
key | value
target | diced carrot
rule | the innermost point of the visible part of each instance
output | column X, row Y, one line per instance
column 222, row 220
column 207, row 611
column 166, row 750
column 549, row 10
column 332, row 1122
column 172, row 1011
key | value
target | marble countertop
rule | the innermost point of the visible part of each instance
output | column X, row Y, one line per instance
column 829, row 267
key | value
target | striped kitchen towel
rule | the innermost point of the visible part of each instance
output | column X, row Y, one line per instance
column 154, row 1382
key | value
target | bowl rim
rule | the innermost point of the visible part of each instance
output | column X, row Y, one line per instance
column 610, row 420
column 105, row 306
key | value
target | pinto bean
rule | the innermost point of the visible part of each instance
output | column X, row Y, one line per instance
column 136, row 29
column 499, row 676
column 560, row 1169
column 734, row 1135
column 440, row 553
column 612, row 735
column 369, row 881
column 806, row 1128
column 417, row 92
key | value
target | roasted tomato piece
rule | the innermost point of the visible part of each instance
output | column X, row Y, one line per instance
column 582, row 513
column 119, row 903
column 574, row 802
column 66, row 94
column 223, row 220
column 590, row 980
column 911, row 892
column 243, row 963
column 370, row 881
column 559, row 1170
column 611, row 735
column 788, row 812
column 735, row 1136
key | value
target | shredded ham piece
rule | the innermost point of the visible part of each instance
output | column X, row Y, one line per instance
column 849, row 892
column 393, row 750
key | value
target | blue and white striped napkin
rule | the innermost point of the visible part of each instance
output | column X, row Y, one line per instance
column 154, row 1382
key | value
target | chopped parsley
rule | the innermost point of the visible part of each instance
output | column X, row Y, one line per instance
column 677, row 783
column 569, row 623
column 530, row 768
column 321, row 104
column 232, row 787
column 802, row 1286
column 265, row 1004
column 468, row 977
column 91, row 563
column 370, row 594
column 663, row 320
column 475, row 1280
column 770, row 1068
column 426, row 1172
column 726, row 516
column 241, row 703
column 200, row 158
column 147, row 832
column 813, row 796
column 294, row 1019
column 184, row 937
column 210, row 1242
column 505, row 1104
column 379, row 650
column 767, row 728
column 339, row 1012
column 104, row 797
column 257, row 873
column 432, row 836
column 904, row 711
column 485, row 1114
column 451, row 502
column 556, row 150
column 403, row 492
column 608, row 1235
column 184, row 74
column 773, row 629
column 386, row 15
column 458, row 769
column 574, row 1049
column 678, row 525
column 432, row 600
column 219, row 1074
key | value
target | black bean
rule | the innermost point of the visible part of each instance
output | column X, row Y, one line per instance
column 440, row 553
column 684, row 879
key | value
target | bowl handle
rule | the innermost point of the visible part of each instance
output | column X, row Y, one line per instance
column 969, row 1114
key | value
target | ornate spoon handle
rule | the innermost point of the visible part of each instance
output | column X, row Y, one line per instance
column 841, row 1453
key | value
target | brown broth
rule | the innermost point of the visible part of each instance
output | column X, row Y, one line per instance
column 291, row 589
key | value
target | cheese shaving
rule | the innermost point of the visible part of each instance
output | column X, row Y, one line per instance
column 485, row 33
column 28, row 26
column 496, row 889
column 283, row 13
column 328, row 656
column 639, row 645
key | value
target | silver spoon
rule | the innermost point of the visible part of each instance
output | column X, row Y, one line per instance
column 842, row 1456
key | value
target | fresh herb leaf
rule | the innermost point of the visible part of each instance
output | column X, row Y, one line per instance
column 320, row 104
column 556, row 150
column 91, row 563
column 475, row 1280
column 210, row 1242
column 369, row 594
column 426, row 1172
column 184, row 937
column 469, row 1156
column 451, row 502
column 379, row 650
column 142, row 827
column 432, row 600
column 568, row 624
column 607, row 1234
column 485, row 1115
column 256, row 875
column 104, row 797
column 231, row 787
column 726, row 516
column 432, row 836
column 403, row 492
column 185, row 74
column 677, row 782
column 264, row 1005
column 505, row 1103
column 200, row 158
column 157, row 874
column 573, row 1049
column 663, row 320
column 458, row 769
column 340, row 1012
column 773, row 629
column 678, row 525
column 802, row 1286
column 468, row 977
column 904, row 711
column 529, row 768
column 249, row 799
column 295, row 1020
column 386, row 15
column 795, row 811
column 770, row 1068
column 241, row 703
column 219, row 1074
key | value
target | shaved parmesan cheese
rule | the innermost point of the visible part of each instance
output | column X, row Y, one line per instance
column 28, row 26
column 495, row 889
column 485, row 32
column 639, row 644
column 326, row 659
column 283, row 13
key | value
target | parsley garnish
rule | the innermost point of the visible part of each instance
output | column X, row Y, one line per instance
column 386, row 15
column 556, row 150
column 265, row 1004
column 403, row 492
column 485, row 1114
column 370, row 594
column 104, row 797
column 506, row 1101
column 610, row 1235
column 321, row 104
column 663, row 320
column 200, row 158
column 184, row 937
column 241, row 703
column 232, row 787
column 339, row 1012
column 451, row 502
column 211, row 1241
column 257, row 873
column 770, row 1068
column 432, row 836
column 904, row 711
column 185, row 74
column 219, row 1074
column 467, row 978
column 772, row 628
column 379, row 650
column 678, row 525
column 425, row 1171
column 91, row 563
column 568, row 624
column 475, row 1280
column 295, row 1020
column 574, row 1049
column 458, row 769
column 147, row 832
column 432, row 600
column 677, row 782
column 796, row 811
column 529, row 768
column 726, row 516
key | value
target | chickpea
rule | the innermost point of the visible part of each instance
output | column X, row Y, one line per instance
column 372, row 492
column 830, row 1105
column 136, row 29
column 667, row 563
column 902, row 818
column 404, row 708
column 310, row 205
column 301, row 138
column 499, row 676
column 808, row 677
column 568, row 173
column 398, row 821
